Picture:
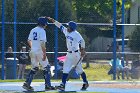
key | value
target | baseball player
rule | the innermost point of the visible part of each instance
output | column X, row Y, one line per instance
column 36, row 41
column 76, row 50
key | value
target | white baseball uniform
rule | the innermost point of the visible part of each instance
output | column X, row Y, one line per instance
column 37, row 35
column 73, row 39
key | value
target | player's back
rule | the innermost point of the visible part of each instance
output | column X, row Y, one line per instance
column 36, row 35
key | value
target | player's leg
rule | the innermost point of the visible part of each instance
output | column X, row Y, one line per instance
column 30, row 76
column 85, row 84
column 66, row 68
column 29, row 79
column 83, row 76
column 118, row 73
column 47, row 75
column 46, row 71
column 126, row 71
column 80, row 70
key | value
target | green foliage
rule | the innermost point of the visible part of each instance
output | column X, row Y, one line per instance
column 93, row 10
column 29, row 11
column 135, row 39
column 98, row 11
column 127, row 5
column 65, row 11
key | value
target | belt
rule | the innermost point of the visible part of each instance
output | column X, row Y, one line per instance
column 72, row 51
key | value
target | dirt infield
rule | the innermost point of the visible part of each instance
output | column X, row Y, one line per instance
column 94, row 86
column 132, row 86
column 122, row 85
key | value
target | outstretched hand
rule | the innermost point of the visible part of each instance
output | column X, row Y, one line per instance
column 51, row 19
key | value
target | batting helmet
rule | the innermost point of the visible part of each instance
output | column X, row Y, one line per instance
column 72, row 25
column 42, row 21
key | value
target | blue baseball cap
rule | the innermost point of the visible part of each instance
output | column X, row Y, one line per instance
column 72, row 25
column 42, row 21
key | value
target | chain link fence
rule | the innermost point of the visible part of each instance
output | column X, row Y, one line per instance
column 94, row 23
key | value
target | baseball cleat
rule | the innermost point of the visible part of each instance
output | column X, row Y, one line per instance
column 47, row 88
column 27, row 87
column 85, row 86
column 61, row 87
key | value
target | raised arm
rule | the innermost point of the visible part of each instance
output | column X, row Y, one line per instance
column 59, row 25
column 55, row 22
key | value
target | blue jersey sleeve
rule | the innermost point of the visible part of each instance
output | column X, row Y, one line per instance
column 63, row 29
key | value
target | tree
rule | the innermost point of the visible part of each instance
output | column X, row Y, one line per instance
column 97, row 11
column 29, row 11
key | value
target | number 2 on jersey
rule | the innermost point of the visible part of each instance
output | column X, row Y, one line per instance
column 35, row 36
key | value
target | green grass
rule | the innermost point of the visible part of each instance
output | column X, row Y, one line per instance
column 96, row 72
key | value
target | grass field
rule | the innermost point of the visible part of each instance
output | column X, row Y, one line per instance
column 96, row 72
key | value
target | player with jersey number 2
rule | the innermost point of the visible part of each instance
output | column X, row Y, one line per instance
column 36, row 41
column 76, row 51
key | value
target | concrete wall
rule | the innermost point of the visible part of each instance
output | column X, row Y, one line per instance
column 133, row 17
column 100, row 43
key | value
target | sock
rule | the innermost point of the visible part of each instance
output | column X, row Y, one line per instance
column 64, row 77
column 83, row 75
column 30, row 77
column 47, row 77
